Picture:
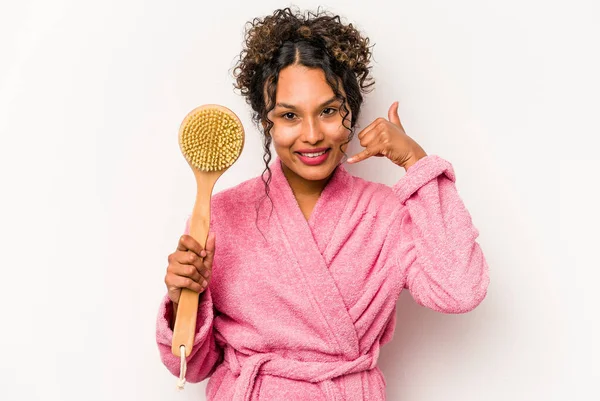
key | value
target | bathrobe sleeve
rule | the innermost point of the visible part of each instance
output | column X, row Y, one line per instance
column 206, row 353
column 443, row 266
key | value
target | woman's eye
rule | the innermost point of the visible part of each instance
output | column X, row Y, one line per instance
column 288, row 114
column 332, row 111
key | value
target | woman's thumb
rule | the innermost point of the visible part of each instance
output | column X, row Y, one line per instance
column 210, row 242
column 393, row 114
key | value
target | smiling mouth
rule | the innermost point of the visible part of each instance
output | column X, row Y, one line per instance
column 313, row 154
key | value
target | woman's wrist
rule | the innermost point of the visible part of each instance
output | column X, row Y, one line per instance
column 417, row 155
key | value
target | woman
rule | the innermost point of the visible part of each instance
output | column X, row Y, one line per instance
column 303, row 266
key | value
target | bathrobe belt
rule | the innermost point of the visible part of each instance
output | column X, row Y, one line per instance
column 247, row 368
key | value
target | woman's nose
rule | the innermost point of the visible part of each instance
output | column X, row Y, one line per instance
column 313, row 132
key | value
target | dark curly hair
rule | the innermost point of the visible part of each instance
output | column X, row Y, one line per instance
column 314, row 40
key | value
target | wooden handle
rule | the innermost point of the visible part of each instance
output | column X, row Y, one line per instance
column 185, row 322
column 187, row 308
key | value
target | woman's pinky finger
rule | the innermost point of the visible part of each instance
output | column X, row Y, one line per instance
column 186, row 282
column 365, row 154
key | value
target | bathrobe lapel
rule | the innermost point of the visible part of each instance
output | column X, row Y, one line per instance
column 307, row 242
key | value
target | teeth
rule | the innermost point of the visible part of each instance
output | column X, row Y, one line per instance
column 314, row 154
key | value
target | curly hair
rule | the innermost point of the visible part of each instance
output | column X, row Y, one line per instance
column 315, row 40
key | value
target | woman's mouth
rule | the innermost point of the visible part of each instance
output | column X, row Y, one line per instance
column 314, row 158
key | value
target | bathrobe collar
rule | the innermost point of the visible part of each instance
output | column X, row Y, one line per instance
column 326, row 213
column 307, row 243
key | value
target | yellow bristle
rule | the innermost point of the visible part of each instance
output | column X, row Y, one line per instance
column 211, row 139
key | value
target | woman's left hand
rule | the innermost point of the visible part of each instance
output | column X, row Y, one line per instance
column 387, row 138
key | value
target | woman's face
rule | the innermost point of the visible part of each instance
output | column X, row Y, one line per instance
column 307, row 131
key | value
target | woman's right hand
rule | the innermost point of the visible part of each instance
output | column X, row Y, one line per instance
column 190, row 266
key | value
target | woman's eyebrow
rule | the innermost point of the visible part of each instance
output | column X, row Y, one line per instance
column 291, row 106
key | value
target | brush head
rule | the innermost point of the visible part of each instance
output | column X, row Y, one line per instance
column 211, row 137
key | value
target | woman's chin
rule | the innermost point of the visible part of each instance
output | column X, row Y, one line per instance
column 316, row 173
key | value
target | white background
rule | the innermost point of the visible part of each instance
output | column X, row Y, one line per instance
column 95, row 192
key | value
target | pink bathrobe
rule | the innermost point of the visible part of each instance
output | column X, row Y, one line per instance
column 301, row 313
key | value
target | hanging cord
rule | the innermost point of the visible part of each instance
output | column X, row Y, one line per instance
column 182, row 369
